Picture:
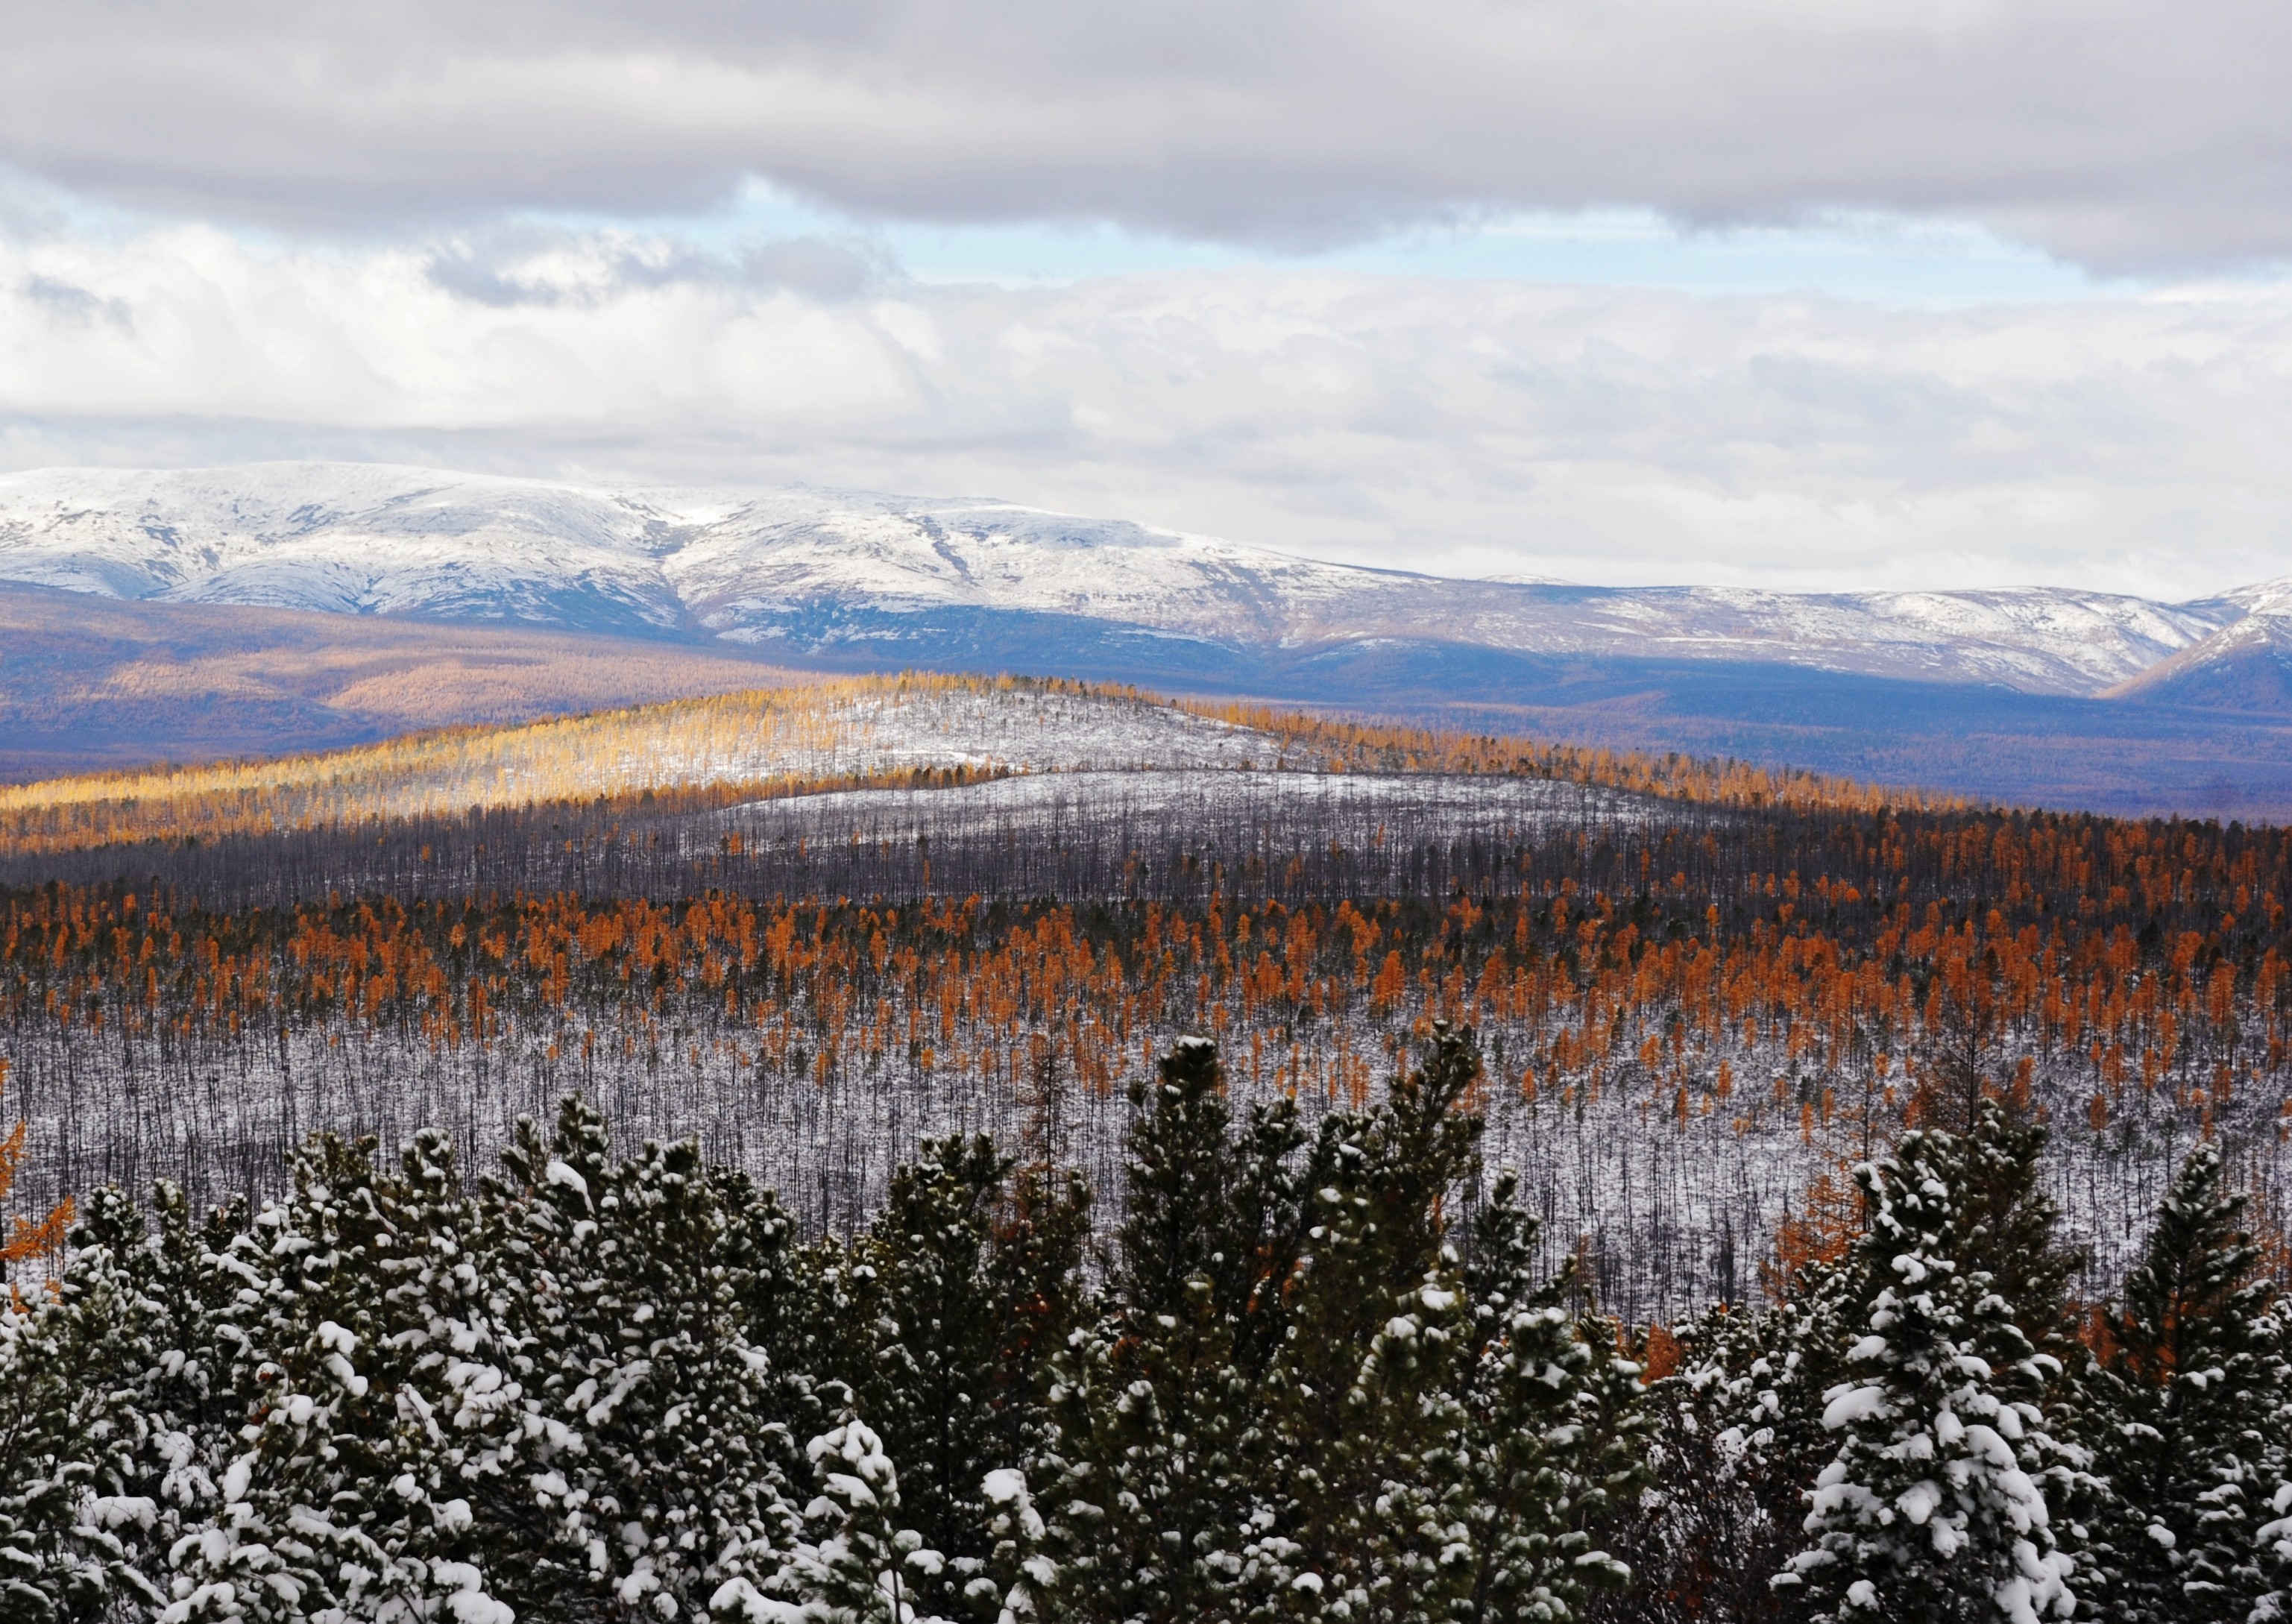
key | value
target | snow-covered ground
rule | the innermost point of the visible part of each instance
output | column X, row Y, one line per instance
column 789, row 568
column 988, row 729
column 1673, row 1182
column 1412, row 807
column 1670, row 1210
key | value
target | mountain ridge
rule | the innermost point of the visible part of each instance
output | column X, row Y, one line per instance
column 805, row 572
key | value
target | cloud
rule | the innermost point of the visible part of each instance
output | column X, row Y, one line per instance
column 528, row 265
column 2123, row 134
column 1594, row 433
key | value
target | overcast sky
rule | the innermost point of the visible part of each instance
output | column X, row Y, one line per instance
column 1804, row 293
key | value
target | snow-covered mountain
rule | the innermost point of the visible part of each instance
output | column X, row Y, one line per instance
column 804, row 571
column 2246, row 665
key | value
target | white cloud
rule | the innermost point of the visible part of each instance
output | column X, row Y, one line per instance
column 1472, row 427
column 2122, row 134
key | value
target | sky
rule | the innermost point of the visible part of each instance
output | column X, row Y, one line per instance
column 1801, row 294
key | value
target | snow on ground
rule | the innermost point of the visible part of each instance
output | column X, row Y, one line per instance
column 990, row 730
column 1414, row 806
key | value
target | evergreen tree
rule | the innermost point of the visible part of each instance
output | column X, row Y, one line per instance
column 1932, row 1509
column 1035, row 1277
column 340, row 1498
column 75, row 1538
column 930, row 1330
column 656, row 1460
column 175, row 1364
column 940, row 1320
column 2191, row 1373
column 1557, row 1429
column 1021, row 1584
column 1157, row 1408
column 1443, row 1437
column 275, row 1545
column 1737, row 1437
column 1364, row 1508
column 864, row 1567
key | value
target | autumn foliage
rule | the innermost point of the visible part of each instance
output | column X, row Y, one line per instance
column 30, row 1242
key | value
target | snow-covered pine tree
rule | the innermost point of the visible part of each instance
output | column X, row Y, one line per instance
column 859, row 1566
column 2013, row 1235
column 1364, row 1509
column 173, row 1362
column 340, row 1500
column 131, row 1332
column 939, row 1319
column 658, row 1463
column 1737, row 1437
column 928, row 1335
column 2191, row 1373
column 75, row 1539
column 1557, row 1428
column 1932, row 1509
column 2011, row 1226
column 316, row 1512
column 1021, row 1579
column 1153, row 1467
column 1035, row 1276
column 442, row 1354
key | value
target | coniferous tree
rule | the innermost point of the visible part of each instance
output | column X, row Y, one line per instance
column 927, row 1332
column 1021, row 1584
column 2191, row 1375
column 1932, row 1507
column 1157, row 1446
column 1557, row 1429
column 1737, row 1435
column 941, row 1318
column 859, row 1566
column 331, row 1501
column 1303, row 1385
column 1698, row 1538
column 1035, row 1276
column 185, row 1287
column 658, row 1460
column 1369, row 1476
column 131, row 1332
column 74, row 1537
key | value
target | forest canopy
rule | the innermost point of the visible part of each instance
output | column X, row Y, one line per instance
column 1076, row 1157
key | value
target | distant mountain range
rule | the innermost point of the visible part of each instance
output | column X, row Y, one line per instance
column 815, row 572
column 847, row 579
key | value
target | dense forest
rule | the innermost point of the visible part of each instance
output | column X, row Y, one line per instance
column 1301, row 1379
column 1640, row 1092
column 1689, row 1010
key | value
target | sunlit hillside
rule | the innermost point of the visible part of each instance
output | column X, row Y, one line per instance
column 819, row 735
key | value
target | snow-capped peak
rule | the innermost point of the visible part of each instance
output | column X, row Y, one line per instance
column 792, row 567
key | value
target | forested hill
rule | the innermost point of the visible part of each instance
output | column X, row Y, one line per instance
column 815, row 927
column 1001, row 1129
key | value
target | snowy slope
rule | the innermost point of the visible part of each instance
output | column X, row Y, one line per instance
column 802, row 569
column 2246, row 665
